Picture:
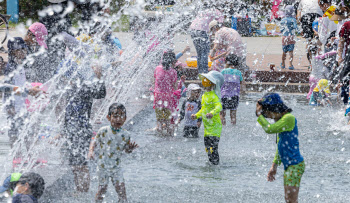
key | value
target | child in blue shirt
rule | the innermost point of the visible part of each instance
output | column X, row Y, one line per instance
column 288, row 28
column 271, row 106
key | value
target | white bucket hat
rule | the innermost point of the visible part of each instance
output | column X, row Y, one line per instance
column 215, row 77
column 192, row 87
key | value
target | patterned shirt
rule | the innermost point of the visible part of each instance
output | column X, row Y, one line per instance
column 230, row 40
column 231, row 86
column 203, row 19
column 110, row 145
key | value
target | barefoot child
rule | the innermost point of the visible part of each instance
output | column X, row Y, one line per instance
column 231, row 88
column 110, row 142
column 191, row 106
column 210, row 113
column 285, row 126
column 288, row 27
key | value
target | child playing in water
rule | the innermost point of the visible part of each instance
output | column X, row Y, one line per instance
column 110, row 142
column 191, row 106
column 165, row 85
column 29, row 188
column 285, row 126
column 321, row 92
column 15, row 77
column 231, row 88
column 288, row 27
column 210, row 113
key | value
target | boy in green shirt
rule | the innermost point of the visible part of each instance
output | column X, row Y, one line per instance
column 285, row 126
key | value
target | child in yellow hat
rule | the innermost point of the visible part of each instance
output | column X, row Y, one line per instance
column 210, row 113
column 321, row 92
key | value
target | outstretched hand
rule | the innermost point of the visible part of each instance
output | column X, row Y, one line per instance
column 193, row 117
column 271, row 174
column 131, row 147
column 258, row 109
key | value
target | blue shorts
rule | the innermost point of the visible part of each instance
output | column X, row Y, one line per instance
column 287, row 48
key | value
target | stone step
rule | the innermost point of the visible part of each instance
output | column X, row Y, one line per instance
column 264, row 76
column 269, row 86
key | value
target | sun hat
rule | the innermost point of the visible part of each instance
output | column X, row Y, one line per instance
column 215, row 77
column 192, row 87
column 339, row 15
column 40, row 32
column 213, row 24
column 322, row 85
column 273, row 102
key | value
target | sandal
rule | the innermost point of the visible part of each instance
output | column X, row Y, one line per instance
column 283, row 67
column 291, row 68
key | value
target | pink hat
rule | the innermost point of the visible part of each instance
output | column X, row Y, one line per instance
column 178, row 63
column 40, row 32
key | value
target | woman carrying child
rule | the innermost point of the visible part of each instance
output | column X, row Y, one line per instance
column 210, row 113
column 271, row 106
column 231, row 88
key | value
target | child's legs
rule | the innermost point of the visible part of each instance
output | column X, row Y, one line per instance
column 191, row 131
column 291, row 58
column 291, row 194
column 284, row 56
column 222, row 117
column 187, row 132
column 81, row 177
column 233, row 116
column 212, row 148
column 103, row 179
column 233, row 109
column 102, row 190
column 292, row 178
column 121, row 191
column 119, row 184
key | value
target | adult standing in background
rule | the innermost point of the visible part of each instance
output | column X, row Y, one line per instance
column 200, row 34
column 308, row 11
column 327, row 28
column 226, row 41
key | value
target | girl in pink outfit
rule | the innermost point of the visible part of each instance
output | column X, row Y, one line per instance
column 164, row 92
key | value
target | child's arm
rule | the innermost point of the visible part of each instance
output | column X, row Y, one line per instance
column 92, row 149
column 182, row 111
column 199, row 121
column 130, row 146
column 183, row 52
column 287, row 123
column 199, row 113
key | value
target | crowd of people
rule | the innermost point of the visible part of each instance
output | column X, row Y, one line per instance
column 35, row 60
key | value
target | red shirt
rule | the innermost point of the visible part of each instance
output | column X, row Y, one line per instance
column 345, row 33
